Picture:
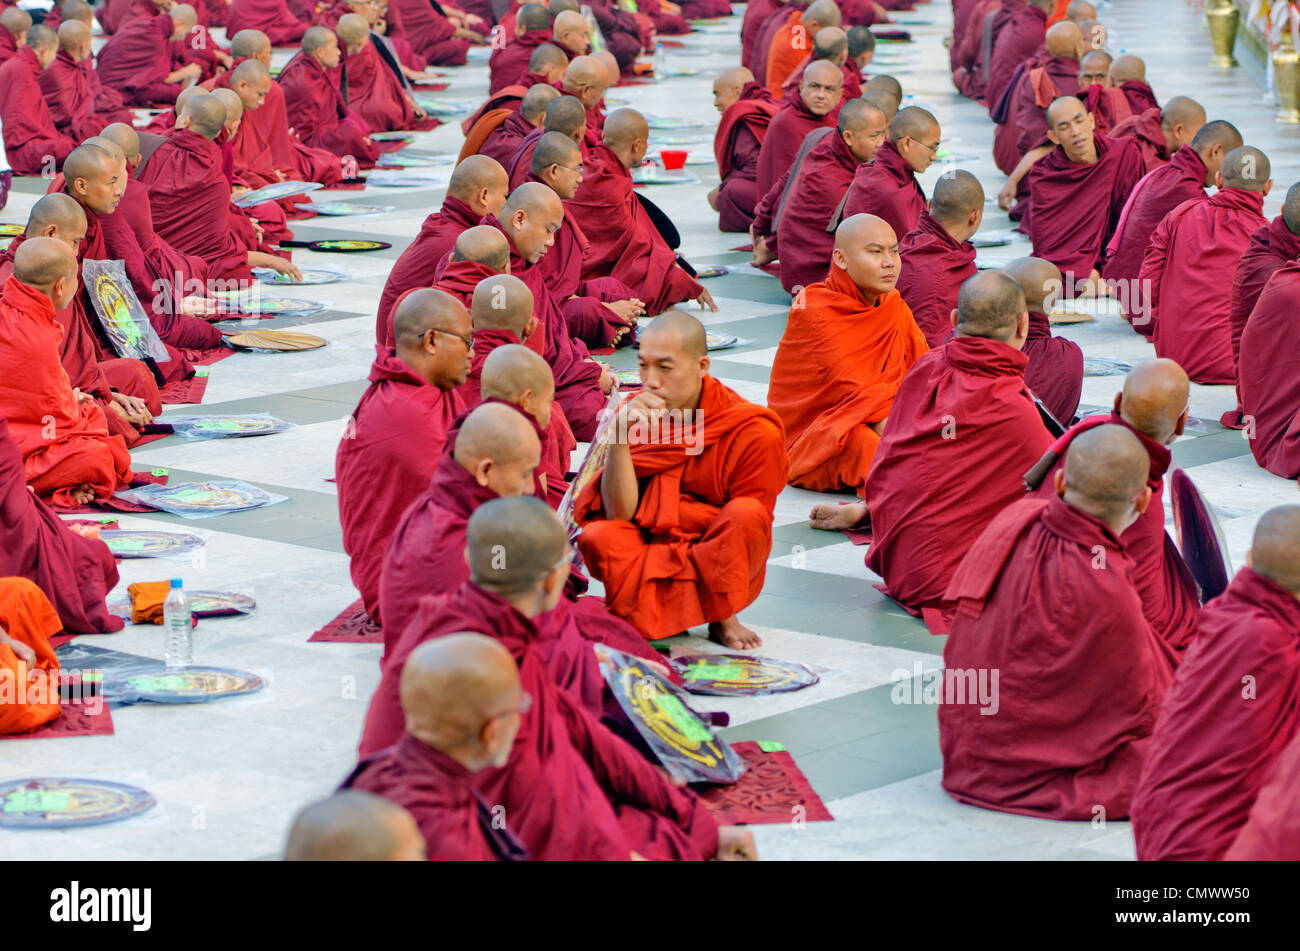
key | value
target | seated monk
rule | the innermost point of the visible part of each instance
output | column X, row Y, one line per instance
column 509, row 62
column 477, row 189
column 355, row 826
column 462, row 705
column 1025, row 31
column 191, row 196
column 623, row 32
column 1028, row 595
column 315, row 105
column 819, row 98
column 107, row 101
column 67, row 93
column 572, row 789
column 1076, row 194
column 1216, row 740
column 887, row 188
column 395, row 434
column 71, row 566
column 374, row 91
column 144, row 60
column 14, row 24
column 503, row 141
column 586, row 79
column 976, row 44
column 832, row 45
column 682, row 538
column 68, row 455
column 937, row 256
column 272, row 17
column 599, row 311
column 1188, row 261
column 565, row 115
column 434, row 38
column 747, row 109
column 570, row 32
column 1160, row 133
column 27, row 622
column 1184, row 177
column 1266, row 375
column 1128, row 74
column 963, row 406
column 1109, row 106
column 848, row 343
column 796, row 220
column 790, row 43
column 479, row 253
column 625, row 244
column 32, row 142
column 1055, row 371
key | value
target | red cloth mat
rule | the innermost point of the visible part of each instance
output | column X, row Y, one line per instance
column 185, row 391
column 73, row 721
column 205, row 358
column 58, row 640
column 352, row 626
column 743, row 247
column 767, row 794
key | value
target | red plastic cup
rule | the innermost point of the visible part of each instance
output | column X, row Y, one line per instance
column 673, row 158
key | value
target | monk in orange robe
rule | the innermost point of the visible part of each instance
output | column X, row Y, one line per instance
column 678, row 524
column 27, row 622
column 793, row 41
column 68, row 454
column 848, row 343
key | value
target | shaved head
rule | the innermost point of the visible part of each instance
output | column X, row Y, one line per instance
column 570, row 30
column 566, row 115
column 1080, row 10
column 612, row 70
column 1094, row 68
column 1218, row 132
column 915, row 122
column 484, row 245
column 206, row 114
column 623, row 126
column 554, row 148
column 481, row 183
column 352, row 28
column 427, row 309
column 88, row 162
column 184, row 96
column 1190, row 115
column 1275, row 551
column 1291, row 209
column 535, row 199
column 820, row 70
column 560, row 6
column 957, row 193
column 354, row 826
column 183, row 13
column 990, row 305
column 831, row 43
column 109, row 146
column 39, row 262
column 1106, row 468
column 498, row 445
column 861, row 41
column 1246, row 167
column 512, row 370
column 513, row 543
column 316, row 38
column 233, row 104
column 1128, row 68
column 888, row 83
column 1063, row 107
column 884, row 100
column 502, row 302
column 729, row 85
column 679, row 332
column 124, row 137
column 72, row 35
column 41, row 37
column 15, row 21
column 535, row 101
column 587, row 79
column 548, row 57
column 1040, row 281
column 1154, row 399
column 822, row 13
column 249, row 43
column 1064, row 40
column 77, row 10
column 533, row 16
column 59, row 211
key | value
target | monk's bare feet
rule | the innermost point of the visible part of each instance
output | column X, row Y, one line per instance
column 731, row 633
column 713, row 198
column 834, row 518
column 736, row 844
column 82, row 494
column 85, row 531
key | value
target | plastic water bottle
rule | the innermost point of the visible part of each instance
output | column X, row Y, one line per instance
column 661, row 62
column 178, row 638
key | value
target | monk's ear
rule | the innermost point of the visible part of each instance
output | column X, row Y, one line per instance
column 705, row 363
column 840, row 259
column 530, row 328
column 481, row 471
column 952, row 318
column 1058, row 481
column 1268, row 187
column 1182, row 422
column 1218, row 179
column 1119, row 401
column 1143, row 499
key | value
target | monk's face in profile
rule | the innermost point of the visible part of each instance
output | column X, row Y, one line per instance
column 919, row 151
column 725, row 94
column 533, row 233
column 511, row 477
column 329, row 55
column 102, row 191
column 263, row 56
column 538, row 405
column 870, row 256
column 865, row 140
column 576, row 40
column 252, row 94
column 370, row 9
column 819, row 94
column 1070, row 126
column 669, row 371
column 72, row 238
column 447, row 356
column 565, row 179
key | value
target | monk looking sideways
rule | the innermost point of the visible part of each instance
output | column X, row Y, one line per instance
column 678, row 525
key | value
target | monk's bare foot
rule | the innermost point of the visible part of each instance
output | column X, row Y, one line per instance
column 731, row 633
column 83, row 494
column 835, row 518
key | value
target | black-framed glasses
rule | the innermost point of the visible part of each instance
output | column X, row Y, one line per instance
column 468, row 340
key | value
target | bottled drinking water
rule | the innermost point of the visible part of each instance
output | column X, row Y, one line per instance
column 178, row 639
column 661, row 62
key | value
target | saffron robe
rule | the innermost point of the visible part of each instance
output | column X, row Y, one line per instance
column 805, row 233
column 27, row 617
column 1216, row 739
column 1268, row 374
column 138, row 58
column 1158, row 193
column 320, row 116
column 272, row 17
column 30, row 135
column 696, row 550
column 736, row 147
column 837, row 368
column 887, row 188
column 934, row 267
column 504, row 140
column 789, row 44
column 1078, row 688
column 785, row 133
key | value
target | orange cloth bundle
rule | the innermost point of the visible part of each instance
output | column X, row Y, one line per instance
column 147, row 601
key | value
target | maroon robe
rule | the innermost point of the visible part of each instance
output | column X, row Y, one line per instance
column 1144, row 129
column 7, row 46
column 1055, row 371
column 756, row 15
column 1023, row 33
column 520, row 166
column 272, row 17
column 138, row 58
column 624, row 242
column 785, row 133
column 108, row 102
column 887, row 188
column 805, row 232
column 1192, row 251
column 508, row 64
column 431, row 35
column 934, row 267
column 961, row 407
column 1141, row 97
column 30, row 135
column 1058, row 76
column 503, row 142
column 1074, row 207
column 377, row 96
column 384, row 461
column 1269, row 372
column 1078, row 688
column 624, row 36
column 1271, row 247
column 736, row 147
column 984, row 30
column 70, row 101
column 1108, row 106
column 1272, row 833
column 1217, row 736
column 319, row 115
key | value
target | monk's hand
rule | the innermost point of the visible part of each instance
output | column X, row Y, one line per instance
column 473, row 19
column 1007, row 197
column 257, row 229
column 275, row 263
column 1094, row 286
column 198, row 307
column 736, row 844
column 238, row 191
column 464, row 34
column 644, row 409
column 223, row 58
column 705, row 300
column 21, row 650
column 672, row 8
column 82, row 397
column 85, row 531
column 131, row 408
column 419, row 113
column 607, row 379
column 713, row 197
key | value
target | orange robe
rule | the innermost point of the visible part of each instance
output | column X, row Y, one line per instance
column 837, row 369
column 64, row 443
column 696, row 551
column 788, row 48
column 26, row 616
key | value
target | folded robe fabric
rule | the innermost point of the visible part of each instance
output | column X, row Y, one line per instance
column 147, row 599
column 509, row 63
column 736, row 147
column 430, row 33
column 68, row 96
column 785, row 133
column 27, row 617
column 1270, row 374
column 1159, row 192
column 1272, row 833
column 272, row 17
column 1270, row 247
column 138, row 58
column 933, row 268
column 319, row 115
column 805, row 231
column 1023, row 33
column 30, row 134
column 376, row 95
column 887, row 188
column 1144, row 128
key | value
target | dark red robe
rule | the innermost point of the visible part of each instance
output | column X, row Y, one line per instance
column 108, row 102
column 70, row 101
column 508, row 64
column 1023, row 33
column 756, row 15
column 805, row 233
column 1272, row 833
column 887, row 188
column 1109, row 107
column 934, row 267
column 1269, row 374
column 1141, row 97
column 984, row 31
column 785, row 133
column 30, row 135
column 272, row 17
column 319, row 116
column 7, row 45
column 1058, row 76
column 138, row 58
column 1055, row 371
column 503, row 142
column 1271, row 247
column 431, row 35
column 376, row 94
column 1144, row 129
column 1232, row 709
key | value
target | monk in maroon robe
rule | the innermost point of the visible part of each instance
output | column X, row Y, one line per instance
column 395, row 435
column 272, row 17
column 1219, row 734
column 1024, row 32
column 1272, row 832
column 33, row 144
column 963, row 406
column 432, row 36
column 747, row 111
column 565, row 115
column 789, row 44
column 819, row 95
column 67, row 93
column 887, row 187
column 1055, row 371
column 972, row 83
column 938, row 258
column 14, row 24
column 374, row 91
column 1066, row 728
column 968, row 38
column 508, row 63
column 315, row 105
column 1128, row 74
column 356, row 826
column 1187, row 263
column 1267, row 375
column 143, row 62
column 504, row 141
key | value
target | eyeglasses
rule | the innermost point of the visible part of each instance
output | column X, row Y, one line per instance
column 573, row 168
column 467, row 340
column 934, row 149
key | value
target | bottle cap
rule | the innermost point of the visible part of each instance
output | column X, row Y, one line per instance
column 176, row 582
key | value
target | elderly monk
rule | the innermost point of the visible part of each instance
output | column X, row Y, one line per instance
column 395, row 435
column 66, row 90
column 434, row 38
column 1267, row 378
column 143, row 58
column 27, row 622
column 798, row 217
column 477, row 189
column 1055, row 371
column 32, row 142
column 1022, row 137
column 888, row 187
column 832, row 45
column 937, row 256
column 962, row 407
column 819, row 97
column 790, row 44
column 573, row 790
column 1077, row 192
column 1161, row 132
column 1218, row 733
column 68, row 455
column 1186, row 175
column 509, row 62
column 72, row 567
column 565, row 115
column 14, row 24
column 315, row 104
column 1080, row 675
column 1025, row 31
column 599, row 311
column 374, row 91
column 848, row 343
column 502, row 141
column 1109, row 106
column 355, row 826
column 625, row 243
column 680, row 537
column 1128, row 74
column 569, row 31
column 1187, row 262
column 272, row 17
column 747, row 109
column 462, row 704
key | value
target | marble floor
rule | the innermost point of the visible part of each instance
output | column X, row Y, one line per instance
column 228, row 776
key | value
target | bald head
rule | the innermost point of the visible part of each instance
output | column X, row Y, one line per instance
column 1064, row 40
column 1154, row 400
column 1094, row 68
column 502, row 302
column 492, row 439
column 535, row 101
column 585, row 72
column 570, row 31
column 511, row 371
column 678, row 332
column 990, row 305
column 1040, row 281
column 1218, row 133
column 184, row 19
column 352, row 29
column 566, row 115
column 729, row 85
column 16, row 21
column 557, row 7
column 821, row 13
column 861, row 42
column 77, row 10
column 109, row 146
column 1128, row 68
column 316, row 38
column 1182, row 119
column 480, row 182
column 957, row 194
column 857, row 114
column 1080, row 10
column 860, row 230
column 1275, row 551
column 884, row 100
column 484, row 245
column 548, row 60
column 612, row 70
column 913, row 122
column 42, row 39
column 821, row 71
column 88, row 162
column 354, row 826
column 1291, row 209
column 205, row 114
column 125, row 138
column 623, row 127
column 554, row 148
column 249, row 43
column 533, row 16
column 73, row 36
column 535, row 199
column 832, row 44
column 888, row 83
column 1246, row 168
column 423, row 310
column 1106, row 469
column 40, row 262
column 56, row 211
column 184, row 96
column 1062, row 108
column 234, row 106
column 513, row 543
